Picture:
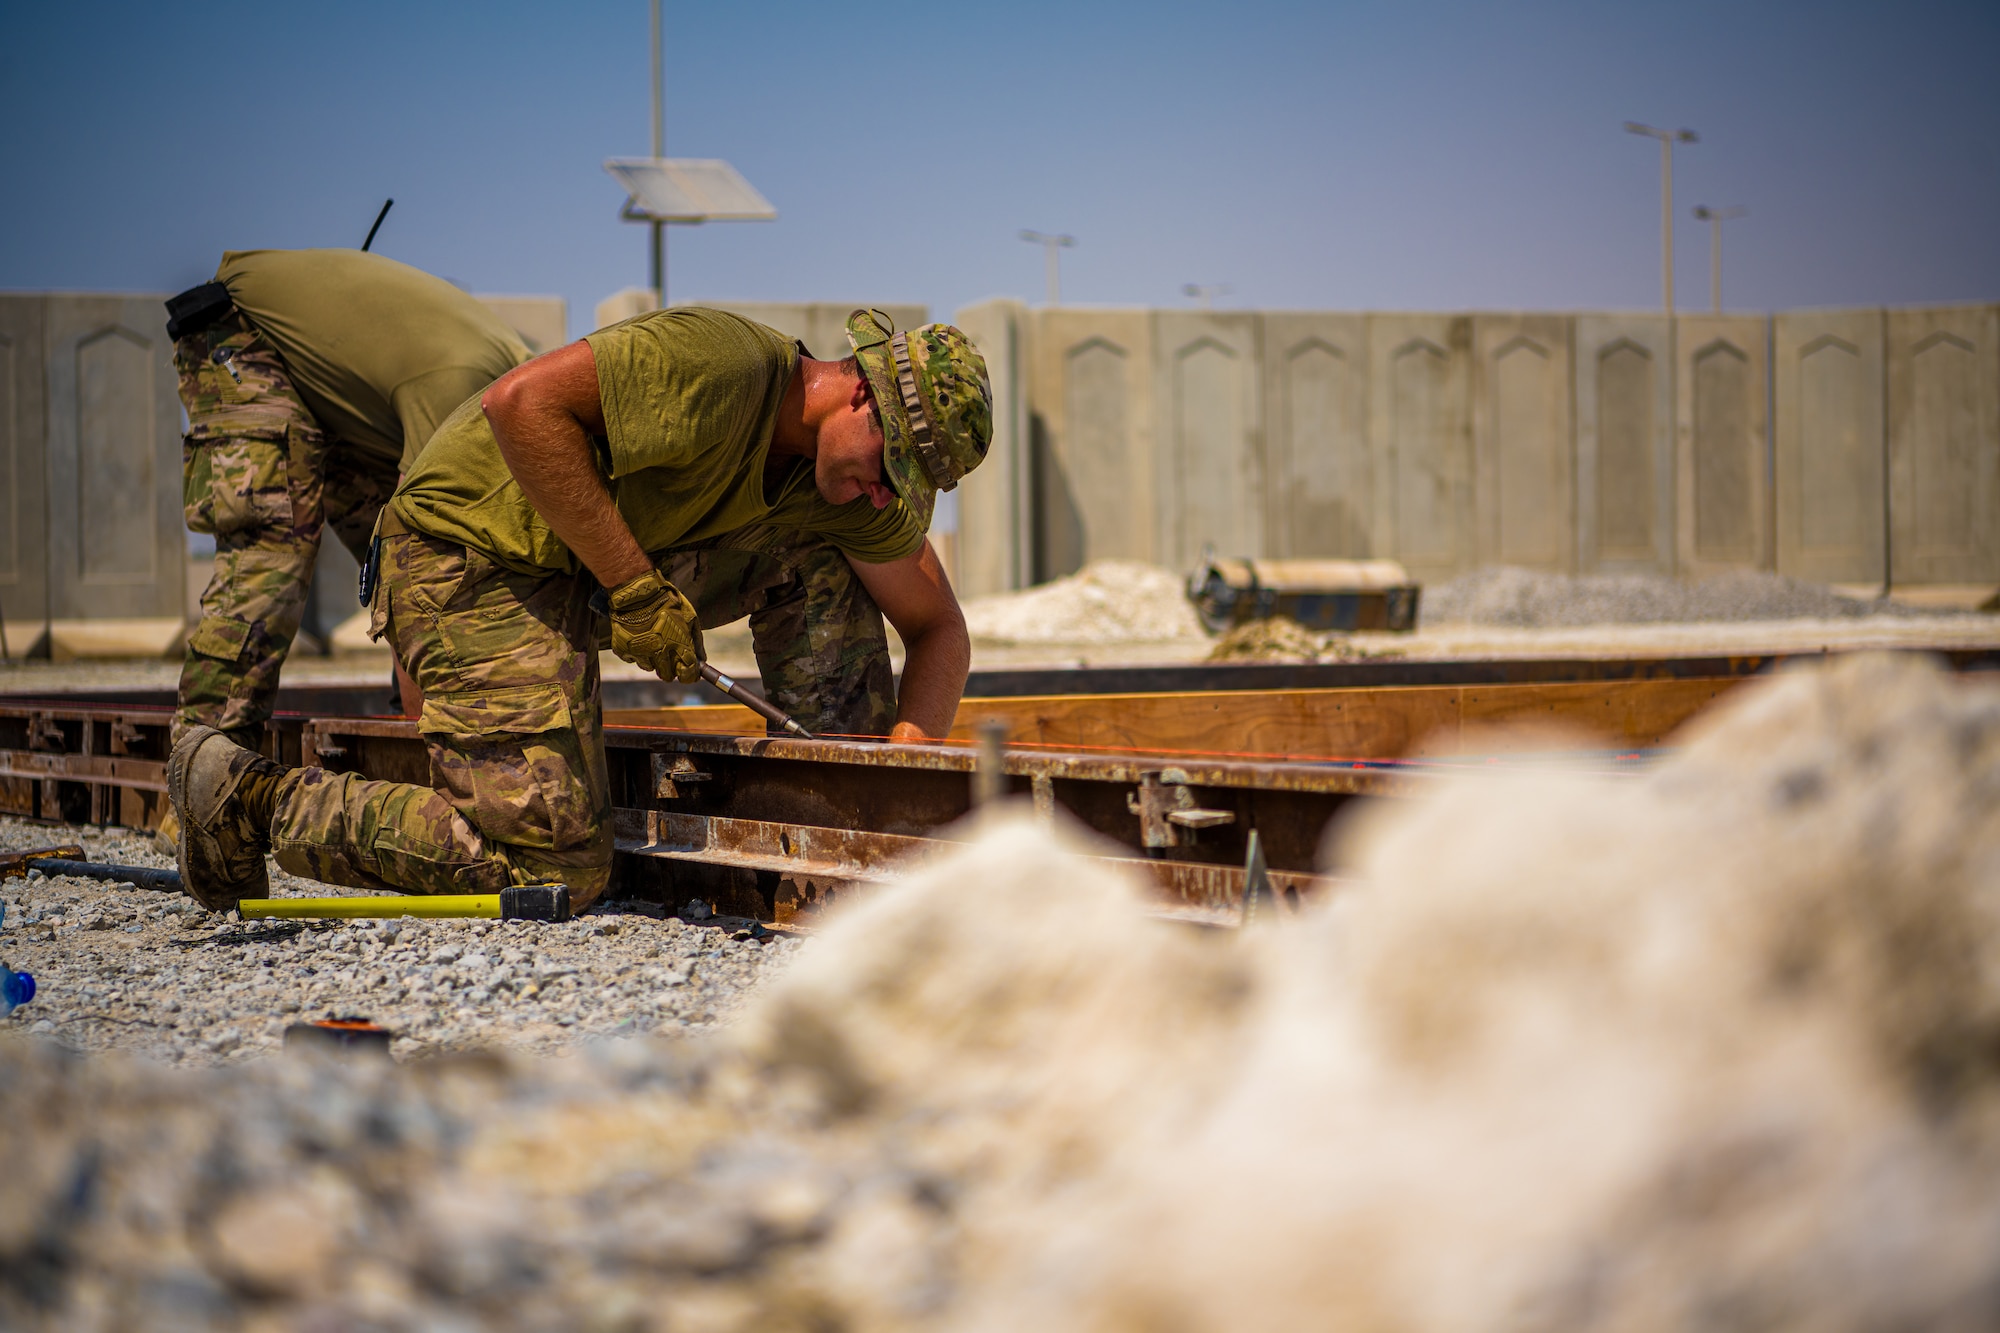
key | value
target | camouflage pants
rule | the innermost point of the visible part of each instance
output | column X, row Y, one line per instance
column 512, row 716
column 260, row 475
column 818, row 635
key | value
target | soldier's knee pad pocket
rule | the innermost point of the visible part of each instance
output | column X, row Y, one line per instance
column 526, row 768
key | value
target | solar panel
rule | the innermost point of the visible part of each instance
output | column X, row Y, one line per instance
column 688, row 189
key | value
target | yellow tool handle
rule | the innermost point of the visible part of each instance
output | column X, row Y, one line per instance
column 516, row 902
column 432, row 905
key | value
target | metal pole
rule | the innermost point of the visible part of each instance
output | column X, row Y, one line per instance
column 1667, row 138
column 1666, row 222
column 1050, row 245
column 659, row 247
column 1715, row 265
column 989, row 775
column 1715, row 217
column 660, row 263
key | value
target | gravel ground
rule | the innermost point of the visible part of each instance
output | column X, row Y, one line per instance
column 1526, row 599
column 157, row 975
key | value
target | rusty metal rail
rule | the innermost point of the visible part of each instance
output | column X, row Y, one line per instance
column 776, row 828
column 755, row 826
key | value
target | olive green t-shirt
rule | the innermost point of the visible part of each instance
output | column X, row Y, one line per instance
column 690, row 401
column 381, row 352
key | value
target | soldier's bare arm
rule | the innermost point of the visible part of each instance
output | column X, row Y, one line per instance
column 917, row 598
column 543, row 414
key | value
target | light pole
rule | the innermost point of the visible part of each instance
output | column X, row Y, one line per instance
column 1051, row 245
column 1205, row 293
column 687, row 190
column 1715, row 217
column 1667, row 138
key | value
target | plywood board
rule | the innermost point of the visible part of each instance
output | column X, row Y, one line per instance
column 1296, row 724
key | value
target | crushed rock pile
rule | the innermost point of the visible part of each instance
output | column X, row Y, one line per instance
column 1282, row 639
column 1527, row 599
column 1278, row 638
column 1108, row 601
column 1715, row 1045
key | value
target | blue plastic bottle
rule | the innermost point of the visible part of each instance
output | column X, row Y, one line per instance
column 16, row 989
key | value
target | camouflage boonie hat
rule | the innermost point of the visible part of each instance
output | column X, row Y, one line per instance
column 937, row 407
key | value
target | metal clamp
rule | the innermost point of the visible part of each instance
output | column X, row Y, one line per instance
column 1168, row 815
column 673, row 774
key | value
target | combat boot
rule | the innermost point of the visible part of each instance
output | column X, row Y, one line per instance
column 224, row 796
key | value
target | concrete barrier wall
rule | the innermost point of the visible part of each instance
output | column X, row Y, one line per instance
column 996, row 501
column 542, row 321
column 1319, row 475
column 1721, row 467
column 90, row 430
column 1831, row 460
column 1624, row 448
column 1524, row 461
column 820, row 325
column 1844, row 446
column 1943, row 381
column 24, row 557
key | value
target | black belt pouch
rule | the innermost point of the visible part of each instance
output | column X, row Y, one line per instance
column 196, row 309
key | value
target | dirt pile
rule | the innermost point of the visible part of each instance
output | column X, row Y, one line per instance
column 1715, row 1044
column 1526, row 599
column 1108, row 601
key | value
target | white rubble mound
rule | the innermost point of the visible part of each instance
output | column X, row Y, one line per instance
column 1108, row 601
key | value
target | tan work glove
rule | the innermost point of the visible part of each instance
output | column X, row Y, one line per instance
column 653, row 626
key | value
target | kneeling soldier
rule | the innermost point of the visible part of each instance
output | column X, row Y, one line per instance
column 312, row 379
column 701, row 468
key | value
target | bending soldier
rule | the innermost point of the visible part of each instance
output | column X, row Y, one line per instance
column 698, row 466
column 312, row 379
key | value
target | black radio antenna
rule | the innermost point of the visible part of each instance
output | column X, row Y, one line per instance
column 378, row 225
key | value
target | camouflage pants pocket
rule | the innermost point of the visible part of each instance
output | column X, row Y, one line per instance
column 431, row 571
column 232, row 485
column 512, row 761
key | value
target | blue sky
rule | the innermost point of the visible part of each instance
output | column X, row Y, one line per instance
column 1382, row 156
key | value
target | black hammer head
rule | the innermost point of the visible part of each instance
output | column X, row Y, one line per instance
column 534, row 902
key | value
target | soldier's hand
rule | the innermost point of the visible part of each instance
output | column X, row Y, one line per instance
column 653, row 626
